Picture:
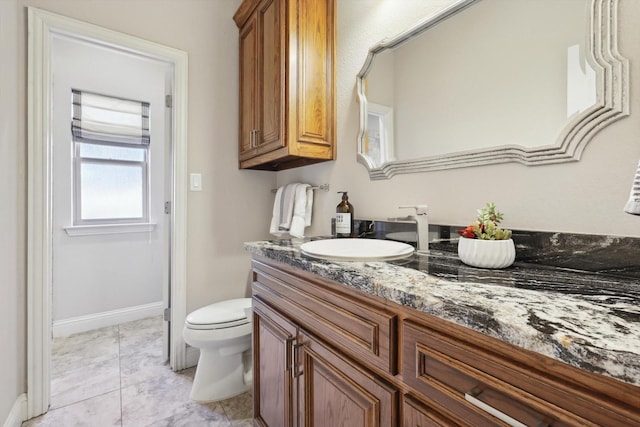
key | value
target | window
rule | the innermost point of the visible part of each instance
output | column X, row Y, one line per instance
column 111, row 159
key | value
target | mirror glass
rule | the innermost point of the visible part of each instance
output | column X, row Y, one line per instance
column 489, row 81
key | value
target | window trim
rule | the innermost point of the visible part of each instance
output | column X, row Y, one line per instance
column 101, row 229
column 78, row 161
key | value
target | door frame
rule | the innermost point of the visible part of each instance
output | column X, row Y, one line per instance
column 42, row 26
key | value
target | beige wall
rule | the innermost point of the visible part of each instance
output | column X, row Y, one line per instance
column 582, row 197
column 12, row 220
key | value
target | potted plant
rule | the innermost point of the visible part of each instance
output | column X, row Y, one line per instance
column 484, row 244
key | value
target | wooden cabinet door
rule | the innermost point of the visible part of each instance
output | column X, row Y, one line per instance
column 249, row 44
column 270, row 125
column 261, row 80
column 311, row 89
column 336, row 392
column 274, row 389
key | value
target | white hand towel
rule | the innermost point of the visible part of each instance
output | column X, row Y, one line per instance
column 633, row 205
column 286, row 207
column 309, row 209
column 274, row 228
column 282, row 210
column 300, row 206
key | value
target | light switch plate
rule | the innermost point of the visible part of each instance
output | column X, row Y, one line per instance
column 195, row 182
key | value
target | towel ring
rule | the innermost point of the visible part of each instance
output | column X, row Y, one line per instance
column 323, row 187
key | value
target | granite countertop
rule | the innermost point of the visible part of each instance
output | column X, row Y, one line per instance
column 586, row 319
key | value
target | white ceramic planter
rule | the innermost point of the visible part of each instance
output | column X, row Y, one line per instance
column 486, row 253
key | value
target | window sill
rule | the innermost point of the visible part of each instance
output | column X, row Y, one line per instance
column 91, row 230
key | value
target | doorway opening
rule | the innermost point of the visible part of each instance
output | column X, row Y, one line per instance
column 44, row 28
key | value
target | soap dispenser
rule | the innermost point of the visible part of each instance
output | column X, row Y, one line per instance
column 344, row 217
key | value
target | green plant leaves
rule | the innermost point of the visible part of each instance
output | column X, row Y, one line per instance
column 486, row 225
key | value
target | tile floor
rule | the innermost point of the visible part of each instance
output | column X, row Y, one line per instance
column 115, row 376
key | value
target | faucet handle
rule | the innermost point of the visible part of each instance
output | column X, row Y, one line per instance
column 420, row 209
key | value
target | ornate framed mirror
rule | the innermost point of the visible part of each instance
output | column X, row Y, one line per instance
column 492, row 81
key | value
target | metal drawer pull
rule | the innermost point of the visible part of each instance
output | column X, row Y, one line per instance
column 493, row 411
column 294, row 372
column 253, row 138
column 290, row 357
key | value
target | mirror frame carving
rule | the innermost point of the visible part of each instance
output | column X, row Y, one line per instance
column 612, row 104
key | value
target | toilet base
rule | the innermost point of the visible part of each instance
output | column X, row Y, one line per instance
column 218, row 378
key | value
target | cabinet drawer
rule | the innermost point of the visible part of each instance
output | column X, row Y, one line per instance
column 357, row 327
column 415, row 414
column 483, row 390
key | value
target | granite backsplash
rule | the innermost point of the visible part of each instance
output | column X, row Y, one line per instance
column 608, row 255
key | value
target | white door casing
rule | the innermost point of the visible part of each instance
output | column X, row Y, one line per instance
column 42, row 28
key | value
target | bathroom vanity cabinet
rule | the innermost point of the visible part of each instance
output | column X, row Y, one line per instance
column 287, row 87
column 326, row 354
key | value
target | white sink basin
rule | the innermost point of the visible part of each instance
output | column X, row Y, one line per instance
column 403, row 236
column 356, row 249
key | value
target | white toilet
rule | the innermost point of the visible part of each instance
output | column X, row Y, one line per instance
column 222, row 332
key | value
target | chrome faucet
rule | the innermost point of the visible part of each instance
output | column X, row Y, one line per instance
column 422, row 222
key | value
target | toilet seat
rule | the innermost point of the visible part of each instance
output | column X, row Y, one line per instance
column 220, row 315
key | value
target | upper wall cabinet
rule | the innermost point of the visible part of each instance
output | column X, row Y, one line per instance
column 287, row 87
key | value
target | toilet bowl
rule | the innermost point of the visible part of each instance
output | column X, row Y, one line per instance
column 222, row 332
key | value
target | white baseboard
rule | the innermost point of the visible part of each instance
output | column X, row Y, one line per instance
column 18, row 412
column 90, row 322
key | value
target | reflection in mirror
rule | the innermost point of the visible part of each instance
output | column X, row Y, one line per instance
column 378, row 142
column 497, row 81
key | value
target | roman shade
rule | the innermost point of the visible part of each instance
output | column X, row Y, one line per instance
column 105, row 119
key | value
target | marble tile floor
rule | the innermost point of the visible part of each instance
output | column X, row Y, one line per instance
column 116, row 376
